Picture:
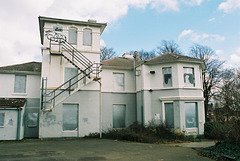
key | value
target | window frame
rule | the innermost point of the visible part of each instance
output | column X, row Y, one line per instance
column 114, row 89
column 193, row 77
column 84, row 38
column 25, row 84
column 74, row 43
column 125, row 114
column 2, row 126
column 166, row 85
column 75, row 79
column 196, row 115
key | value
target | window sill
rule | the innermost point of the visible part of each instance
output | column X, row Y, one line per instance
column 19, row 94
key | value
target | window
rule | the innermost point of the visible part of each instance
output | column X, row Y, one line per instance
column 118, row 81
column 70, row 117
column 72, row 35
column 169, row 115
column 32, row 120
column 119, row 113
column 20, row 84
column 87, row 37
column 167, row 77
column 190, row 115
column 69, row 74
column 2, row 115
column 189, row 79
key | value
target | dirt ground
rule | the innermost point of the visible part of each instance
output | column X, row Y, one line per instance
column 93, row 150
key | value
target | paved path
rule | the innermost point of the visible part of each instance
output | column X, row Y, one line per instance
column 94, row 150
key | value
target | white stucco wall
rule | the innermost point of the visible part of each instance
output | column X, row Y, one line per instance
column 107, row 80
column 32, row 86
column 9, row 130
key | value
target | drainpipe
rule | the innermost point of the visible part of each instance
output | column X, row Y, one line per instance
column 19, row 123
column 100, row 104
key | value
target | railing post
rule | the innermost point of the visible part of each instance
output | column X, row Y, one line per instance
column 53, row 99
column 73, row 55
column 69, row 91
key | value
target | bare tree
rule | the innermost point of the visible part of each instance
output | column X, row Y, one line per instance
column 211, row 75
column 107, row 53
column 168, row 47
column 227, row 98
column 143, row 55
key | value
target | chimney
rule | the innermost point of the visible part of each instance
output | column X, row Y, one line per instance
column 127, row 56
column 92, row 21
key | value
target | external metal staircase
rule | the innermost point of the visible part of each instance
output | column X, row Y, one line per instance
column 86, row 68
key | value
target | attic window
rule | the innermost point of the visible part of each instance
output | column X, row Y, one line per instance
column 167, row 77
column 72, row 36
column 87, row 37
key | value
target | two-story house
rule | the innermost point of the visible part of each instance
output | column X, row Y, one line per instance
column 72, row 93
column 165, row 89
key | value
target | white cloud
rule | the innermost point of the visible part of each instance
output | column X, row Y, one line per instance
column 211, row 19
column 193, row 2
column 102, row 43
column 235, row 58
column 185, row 33
column 219, row 52
column 165, row 5
column 228, row 5
column 238, row 50
column 196, row 37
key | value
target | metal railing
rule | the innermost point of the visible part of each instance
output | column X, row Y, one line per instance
column 76, row 58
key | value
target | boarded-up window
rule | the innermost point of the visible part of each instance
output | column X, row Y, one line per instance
column 32, row 120
column 87, row 37
column 169, row 115
column 190, row 114
column 189, row 79
column 119, row 114
column 20, row 84
column 2, row 119
column 167, row 77
column 70, row 117
column 72, row 35
column 118, row 81
column 69, row 74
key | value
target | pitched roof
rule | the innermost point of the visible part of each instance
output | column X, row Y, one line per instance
column 25, row 67
column 12, row 102
column 171, row 57
column 120, row 62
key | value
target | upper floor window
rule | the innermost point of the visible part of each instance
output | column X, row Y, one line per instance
column 72, row 35
column 69, row 74
column 167, row 77
column 87, row 37
column 118, row 81
column 20, row 84
column 189, row 79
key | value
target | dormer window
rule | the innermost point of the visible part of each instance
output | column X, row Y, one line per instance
column 189, row 79
column 167, row 77
column 87, row 37
column 72, row 35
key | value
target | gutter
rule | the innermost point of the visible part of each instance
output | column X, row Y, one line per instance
column 19, row 124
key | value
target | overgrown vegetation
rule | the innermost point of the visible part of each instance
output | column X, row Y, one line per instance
column 228, row 136
column 152, row 133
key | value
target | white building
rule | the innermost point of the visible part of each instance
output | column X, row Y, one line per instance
column 79, row 96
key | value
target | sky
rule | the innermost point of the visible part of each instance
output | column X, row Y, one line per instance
column 132, row 25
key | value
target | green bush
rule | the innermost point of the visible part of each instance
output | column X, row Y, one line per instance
column 208, row 129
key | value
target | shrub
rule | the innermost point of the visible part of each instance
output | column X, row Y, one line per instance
column 208, row 129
